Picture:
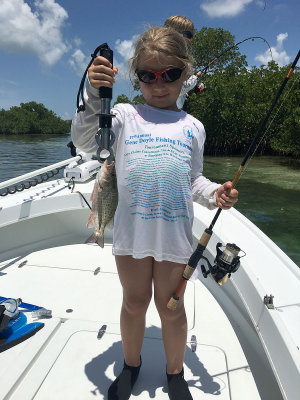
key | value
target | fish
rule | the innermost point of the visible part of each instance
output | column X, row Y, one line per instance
column 104, row 200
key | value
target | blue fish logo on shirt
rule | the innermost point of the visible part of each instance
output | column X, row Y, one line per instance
column 188, row 133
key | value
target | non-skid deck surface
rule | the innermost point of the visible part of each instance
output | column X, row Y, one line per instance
column 65, row 360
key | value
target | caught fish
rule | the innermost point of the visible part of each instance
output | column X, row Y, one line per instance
column 104, row 200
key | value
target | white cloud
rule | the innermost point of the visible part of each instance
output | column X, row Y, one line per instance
column 262, row 3
column 125, row 49
column 278, row 53
column 280, row 38
column 77, row 42
column 36, row 31
column 224, row 8
column 79, row 62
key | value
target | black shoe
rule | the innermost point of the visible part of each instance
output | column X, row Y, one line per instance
column 177, row 387
column 122, row 386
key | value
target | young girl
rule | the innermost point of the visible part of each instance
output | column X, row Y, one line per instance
column 159, row 157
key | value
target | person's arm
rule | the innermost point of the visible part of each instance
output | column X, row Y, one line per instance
column 190, row 83
column 85, row 123
column 226, row 197
column 212, row 195
column 204, row 191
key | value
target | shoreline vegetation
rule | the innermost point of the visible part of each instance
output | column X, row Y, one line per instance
column 32, row 118
column 235, row 101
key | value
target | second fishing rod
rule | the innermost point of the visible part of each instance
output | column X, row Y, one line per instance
column 226, row 262
column 204, row 70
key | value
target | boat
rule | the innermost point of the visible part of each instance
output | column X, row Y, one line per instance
column 243, row 337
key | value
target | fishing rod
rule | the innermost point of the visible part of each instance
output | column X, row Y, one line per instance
column 227, row 261
column 200, row 88
column 205, row 69
column 105, row 137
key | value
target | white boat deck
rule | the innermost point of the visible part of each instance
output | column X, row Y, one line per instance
column 46, row 227
column 65, row 360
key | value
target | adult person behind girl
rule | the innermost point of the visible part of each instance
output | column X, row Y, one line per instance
column 159, row 157
column 185, row 27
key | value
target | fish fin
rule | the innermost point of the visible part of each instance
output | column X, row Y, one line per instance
column 99, row 239
column 96, row 189
column 92, row 239
column 94, row 209
column 90, row 221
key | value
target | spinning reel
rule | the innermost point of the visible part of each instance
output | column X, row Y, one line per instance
column 226, row 262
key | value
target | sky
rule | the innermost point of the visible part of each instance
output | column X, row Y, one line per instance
column 45, row 45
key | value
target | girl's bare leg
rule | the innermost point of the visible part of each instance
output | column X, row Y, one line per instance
column 136, row 279
column 166, row 277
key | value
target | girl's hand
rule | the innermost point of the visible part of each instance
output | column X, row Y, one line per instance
column 226, row 197
column 101, row 73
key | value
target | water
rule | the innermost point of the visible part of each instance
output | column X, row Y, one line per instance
column 269, row 193
column 26, row 153
column 269, row 187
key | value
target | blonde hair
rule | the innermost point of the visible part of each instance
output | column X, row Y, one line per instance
column 180, row 24
column 161, row 40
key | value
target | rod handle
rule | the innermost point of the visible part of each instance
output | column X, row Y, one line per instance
column 173, row 303
column 106, row 92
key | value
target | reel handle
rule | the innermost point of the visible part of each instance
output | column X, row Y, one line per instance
column 106, row 92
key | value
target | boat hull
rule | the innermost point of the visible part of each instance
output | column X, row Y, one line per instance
column 43, row 259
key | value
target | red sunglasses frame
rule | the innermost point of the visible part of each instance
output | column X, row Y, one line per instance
column 158, row 73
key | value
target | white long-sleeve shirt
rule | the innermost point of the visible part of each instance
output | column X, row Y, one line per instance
column 188, row 85
column 159, row 160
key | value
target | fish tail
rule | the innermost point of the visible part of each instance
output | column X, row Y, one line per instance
column 100, row 237
column 100, row 241
column 92, row 239
column 96, row 238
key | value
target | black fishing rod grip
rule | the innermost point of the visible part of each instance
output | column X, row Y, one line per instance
column 197, row 254
column 106, row 92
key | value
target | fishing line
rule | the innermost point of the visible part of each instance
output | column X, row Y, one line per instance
column 72, row 182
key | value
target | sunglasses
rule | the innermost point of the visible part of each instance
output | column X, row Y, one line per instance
column 187, row 34
column 168, row 75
